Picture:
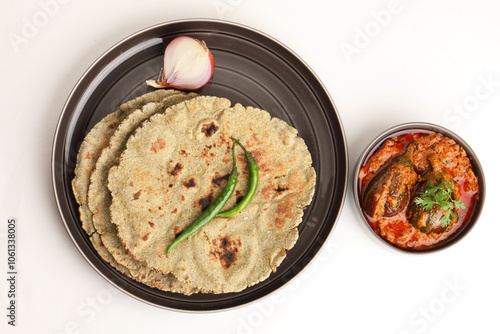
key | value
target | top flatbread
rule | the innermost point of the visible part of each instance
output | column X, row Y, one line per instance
column 176, row 163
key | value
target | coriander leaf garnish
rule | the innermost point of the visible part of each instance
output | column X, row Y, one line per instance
column 440, row 195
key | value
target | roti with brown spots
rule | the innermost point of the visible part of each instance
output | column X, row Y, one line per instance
column 99, row 151
column 99, row 199
column 178, row 162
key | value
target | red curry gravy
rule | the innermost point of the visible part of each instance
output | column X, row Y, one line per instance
column 433, row 151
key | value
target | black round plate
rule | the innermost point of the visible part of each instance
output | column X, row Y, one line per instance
column 250, row 68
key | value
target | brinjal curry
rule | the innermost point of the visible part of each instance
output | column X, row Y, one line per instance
column 418, row 189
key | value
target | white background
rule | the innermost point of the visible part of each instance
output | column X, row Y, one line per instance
column 383, row 62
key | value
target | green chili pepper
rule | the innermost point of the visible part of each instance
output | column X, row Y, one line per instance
column 212, row 209
column 253, row 180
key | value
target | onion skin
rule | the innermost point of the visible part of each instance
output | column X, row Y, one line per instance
column 187, row 64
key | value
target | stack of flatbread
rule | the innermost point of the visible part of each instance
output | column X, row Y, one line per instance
column 147, row 170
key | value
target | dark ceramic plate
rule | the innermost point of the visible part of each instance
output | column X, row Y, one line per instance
column 250, row 68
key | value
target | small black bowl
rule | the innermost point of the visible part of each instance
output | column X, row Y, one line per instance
column 426, row 127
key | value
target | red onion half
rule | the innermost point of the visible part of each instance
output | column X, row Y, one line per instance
column 187, row 64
